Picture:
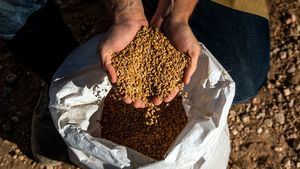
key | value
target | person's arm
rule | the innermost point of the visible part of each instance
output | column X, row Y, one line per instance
column 172, row 17
column 122, row 10
column 128, row 17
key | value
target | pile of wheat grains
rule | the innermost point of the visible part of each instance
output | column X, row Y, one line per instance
column 125, row 125
column 149, row 66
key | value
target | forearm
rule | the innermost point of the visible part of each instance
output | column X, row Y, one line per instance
column 125, row 9
column 182, row 9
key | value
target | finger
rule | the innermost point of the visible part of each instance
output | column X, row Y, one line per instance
column 138, row 103
column 156, row 21
column 106, row 55
column 163, row 10
column 172, row 95
column 127, row 99
column 157, row 101
column 194, row 53
column 111, row 72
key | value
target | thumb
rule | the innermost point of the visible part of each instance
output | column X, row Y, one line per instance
column 106, row 56
column 163, row 10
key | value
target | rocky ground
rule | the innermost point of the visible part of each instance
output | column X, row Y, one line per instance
column 265, row 132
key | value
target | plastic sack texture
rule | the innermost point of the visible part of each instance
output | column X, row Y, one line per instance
column 77, row 94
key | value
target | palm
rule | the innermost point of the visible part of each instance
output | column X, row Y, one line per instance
column 183, row 39
column 115, row 40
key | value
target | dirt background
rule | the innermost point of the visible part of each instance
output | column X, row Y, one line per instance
column 265, row 133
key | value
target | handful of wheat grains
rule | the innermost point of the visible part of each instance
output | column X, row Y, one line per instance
column 149, row 66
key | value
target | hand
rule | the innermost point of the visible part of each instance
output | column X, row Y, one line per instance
column 126, row 24
column 176, row 28
column 115, row 40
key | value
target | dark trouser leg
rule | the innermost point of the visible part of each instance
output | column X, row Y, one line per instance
column 43, row 42
column 239, row 41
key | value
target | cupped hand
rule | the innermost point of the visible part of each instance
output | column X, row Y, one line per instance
column 119, row 35
column 181, row 36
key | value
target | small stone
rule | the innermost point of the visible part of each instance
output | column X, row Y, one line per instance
column 293, row 136
column 256, row 101
column 298, row 165
column 297, row 88
column 247, row 130
column 234, row 132
column 292, row 69
column 245, row 118
column 11, row 79
column 18, row 151
column 277, row 83
column 293, row 18
column 283, row 55
column 259, row 130
column 287, row 163
column 278, row 149
column 280, row 118
column 268, row 122
column 279, row 97
column 254, row 108
column 260, row 115
column 288, row 21
column 287, row 92
column 21, row 158
column 296, row 145
column 291, row 103
column 270, row 86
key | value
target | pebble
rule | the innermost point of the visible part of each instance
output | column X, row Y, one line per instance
column 268, row 122
column 283, row 55
column 296, row 145
column 280, row 118
column 278, row 149
column 293, row 18
column 11, row 79
column 292, row 69
column 288, row 21
column 245, row 118
column 293, row 136
column 270, row 86
column 21, row 158
column 234, row 132
column 18, row 151
column 279, row 97
column 287, row 163
column 247, row 130
column 260, row 115
column 291, row 103
column 254, row 108
column 287, row 92
column 298, row 165
column 256, row 101
column 259, row 130
column 297, row 88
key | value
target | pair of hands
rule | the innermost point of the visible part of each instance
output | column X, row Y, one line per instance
column 122, row 32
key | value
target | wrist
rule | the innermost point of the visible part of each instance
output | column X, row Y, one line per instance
column 124, row 10
column 182, row 10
